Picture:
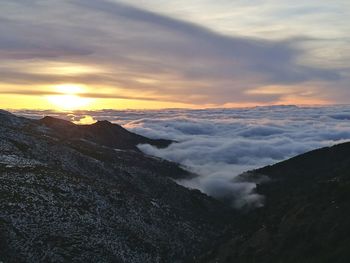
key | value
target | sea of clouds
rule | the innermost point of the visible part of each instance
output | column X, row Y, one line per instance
column 220, row 144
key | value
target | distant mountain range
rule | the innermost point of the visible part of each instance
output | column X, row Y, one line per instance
column 85, row 193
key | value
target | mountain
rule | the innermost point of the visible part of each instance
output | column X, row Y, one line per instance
column 85, row 193
column 306, row 217
column 71, row 193
column 101, row 132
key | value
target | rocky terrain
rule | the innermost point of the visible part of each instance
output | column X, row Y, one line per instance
column 73, row 193
column 85, row 193
column 306, row 217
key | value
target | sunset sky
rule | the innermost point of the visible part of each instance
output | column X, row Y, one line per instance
column 89, row 54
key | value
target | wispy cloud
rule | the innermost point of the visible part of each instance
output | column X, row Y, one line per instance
column 155, row 55
column 83, row 95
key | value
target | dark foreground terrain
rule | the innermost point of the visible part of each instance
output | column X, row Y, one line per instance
column 306, row 217
column 72, row 193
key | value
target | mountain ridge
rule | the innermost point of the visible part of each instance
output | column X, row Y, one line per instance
column 74, row 200
column 71, row 198
column 101, row 132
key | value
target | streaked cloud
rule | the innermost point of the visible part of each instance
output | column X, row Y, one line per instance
column 144, row 50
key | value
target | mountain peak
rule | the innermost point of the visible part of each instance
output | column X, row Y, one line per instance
column 52, row 121
column 102, row 132
column 103, row 123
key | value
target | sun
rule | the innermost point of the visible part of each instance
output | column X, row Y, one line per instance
column 69, row 97
column 69, row 102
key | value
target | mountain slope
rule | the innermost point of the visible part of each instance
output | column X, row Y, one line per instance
column 66, row 196
column 101, row 132
column 306, row 217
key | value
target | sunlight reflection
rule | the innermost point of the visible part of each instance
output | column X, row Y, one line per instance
column 85, row 120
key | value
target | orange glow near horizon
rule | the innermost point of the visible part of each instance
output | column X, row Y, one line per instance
column 75, row 96
column 69, row 102
column 70, row 99
column 74, row 102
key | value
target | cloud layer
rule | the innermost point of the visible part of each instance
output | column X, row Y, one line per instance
column 132, row 52
column 220, row 144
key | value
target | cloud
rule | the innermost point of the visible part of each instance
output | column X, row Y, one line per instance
column 220, row 144
column 181, row 61
column 22, row 40
column 82, row 95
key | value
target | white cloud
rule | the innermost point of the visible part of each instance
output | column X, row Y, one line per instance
column 219, row 144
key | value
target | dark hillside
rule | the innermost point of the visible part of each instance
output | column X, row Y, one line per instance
column 101, row 132
column 68, row 195
column 306, row 217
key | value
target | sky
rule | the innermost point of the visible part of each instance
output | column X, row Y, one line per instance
column 107, row 54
